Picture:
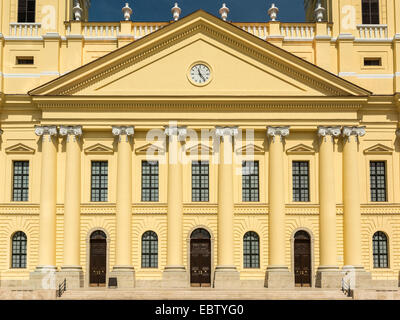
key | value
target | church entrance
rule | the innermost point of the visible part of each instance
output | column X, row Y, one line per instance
column 98, row 259
column 302, row 259
column 200, row 258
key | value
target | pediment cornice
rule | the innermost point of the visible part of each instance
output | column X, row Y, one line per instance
column 223, row 32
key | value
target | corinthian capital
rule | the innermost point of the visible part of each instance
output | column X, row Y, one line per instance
column 278, row 131
column 181, row 132
column 347, row 132
column 329, row 131
column 42, row 131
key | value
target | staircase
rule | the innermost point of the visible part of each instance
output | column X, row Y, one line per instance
column 204, row 294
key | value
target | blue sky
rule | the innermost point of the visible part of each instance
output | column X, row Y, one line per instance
column 160, row 10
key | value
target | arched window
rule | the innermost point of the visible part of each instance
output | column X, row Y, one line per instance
column 26, row 10
column 18, row 250
column 251, row 250
column 149, row 250
column 370, row 11
column 380, row 250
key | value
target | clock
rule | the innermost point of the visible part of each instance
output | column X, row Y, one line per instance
column 200, row 74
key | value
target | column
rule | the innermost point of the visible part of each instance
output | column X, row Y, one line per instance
column 328, row 275
column 123, row 269
column 277, row 275
column 175, row 274
column 44, row 276
column 226, row 274
column 351, row 207
column 71, row 268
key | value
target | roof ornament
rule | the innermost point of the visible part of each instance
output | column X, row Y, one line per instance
column 77, row 12
column 273, row 12
column 319, row 12
column 224, row 12
column 176, row 11
column 127, row 12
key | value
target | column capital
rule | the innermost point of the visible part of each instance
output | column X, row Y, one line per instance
column 123, row 130
column 278, row 131
column 334, row 132
column 226, row 131
column 42, row 131
column 181, row 132
column 67, row 131
column 347, row 132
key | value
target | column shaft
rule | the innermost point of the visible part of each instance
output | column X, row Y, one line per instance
column 48, row 198
column 175, row 206
column 72, row 203
column 276, row 227
column 327, row 211
column 225, row 203
column 351, row 202
column 123, row 255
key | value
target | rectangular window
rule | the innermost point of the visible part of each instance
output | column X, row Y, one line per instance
column 200, row 173
column 301, row 189
column 149, row 180
column 250, row 181
column 26, row 11
column 378, row 180
column 99, row 181
column 24, row 60
column 372, row 62
column 370, row 11
column 20, row 181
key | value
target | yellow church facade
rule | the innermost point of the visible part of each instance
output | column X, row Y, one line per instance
column 199, row 152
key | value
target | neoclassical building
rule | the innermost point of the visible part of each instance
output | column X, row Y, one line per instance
column 199, row 151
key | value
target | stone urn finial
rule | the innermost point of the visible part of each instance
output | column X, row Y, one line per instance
column 176, row 11
column 127, row 12
column 224, row 12
column 319, row 12
column 77, row 12
column 273, row 12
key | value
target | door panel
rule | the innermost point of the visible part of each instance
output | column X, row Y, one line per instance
column 98, row 263
column 302, row 263
column 200, row 262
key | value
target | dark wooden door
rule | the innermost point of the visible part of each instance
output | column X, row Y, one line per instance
column 302, row 262
column 200, row 262
column 98, row 262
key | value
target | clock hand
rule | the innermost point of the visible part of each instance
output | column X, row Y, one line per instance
column 198, row 70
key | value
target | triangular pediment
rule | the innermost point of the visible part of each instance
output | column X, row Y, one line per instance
column 378, row 149
column 199, row 149
column 20, row 149
column 300, row 149
column 99, row 148
column 158, row 66
column 250, row 149
column 150, row 149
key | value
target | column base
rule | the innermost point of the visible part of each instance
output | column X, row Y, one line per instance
column 125, row 276
column 226, row 277
column 357, row 277
column 328, row 277
column 279, row 277
column 44, row 277
column 175, row 277
column 73, row 275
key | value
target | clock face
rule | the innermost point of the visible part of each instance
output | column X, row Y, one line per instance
column 200, row 74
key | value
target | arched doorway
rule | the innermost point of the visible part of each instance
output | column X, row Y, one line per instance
column 200, row 258
column 302, row 259
column 98, row 259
